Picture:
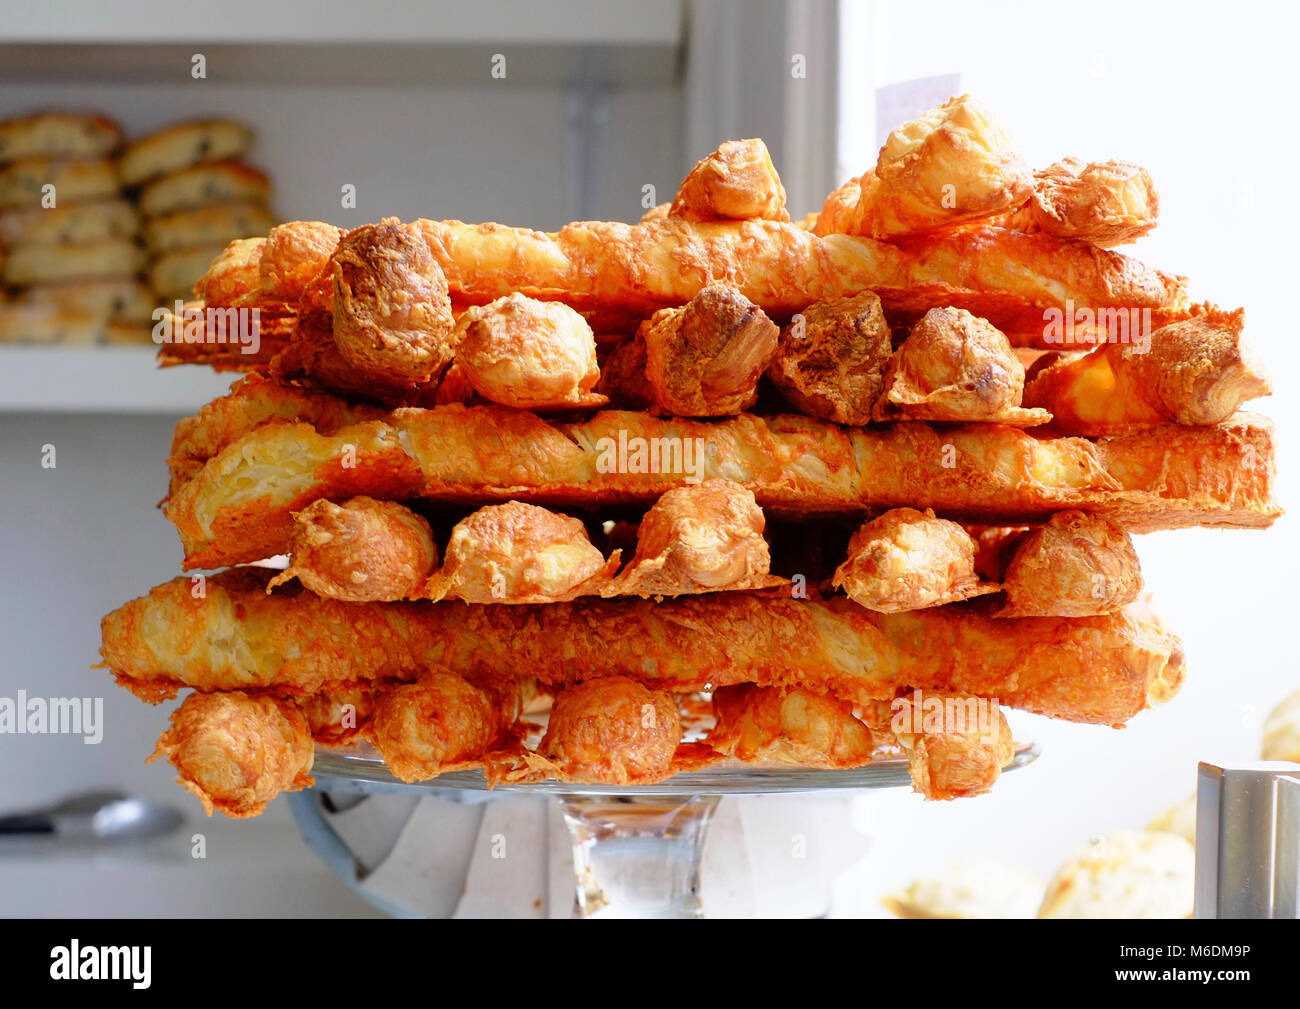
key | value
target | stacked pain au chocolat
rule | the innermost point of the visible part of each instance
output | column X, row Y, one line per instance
column 620, row 501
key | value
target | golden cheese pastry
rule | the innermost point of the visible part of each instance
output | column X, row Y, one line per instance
column 1194, row 371
column 439, row 723
column 391, row 312
column 520, row 553
column 705, row 358
column 238, row 751
column 700, row 538
column 831, row 359
column 1077, row 565
column 1101, row 670
column 956, row 744
column 239, row 507
column 950, row 165
column 954, row 366
column 612, row 731
column 788, row 726
column 1104, row 203
column 360, row 550
column 736, row 182
column 910, row 560
column 529, row 354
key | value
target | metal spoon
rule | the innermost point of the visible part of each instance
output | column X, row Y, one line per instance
column 95, row 816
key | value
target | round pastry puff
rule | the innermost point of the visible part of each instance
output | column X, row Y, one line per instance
column 58, row 135
column 183, row 146
column 51, row 264
column 122, row 300
column 173, row 276
column 47, row 324
column 23, row 183
column 187, row 229
column 72, row 224
column 204, row 186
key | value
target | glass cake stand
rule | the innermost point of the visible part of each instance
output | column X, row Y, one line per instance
column 636, row 849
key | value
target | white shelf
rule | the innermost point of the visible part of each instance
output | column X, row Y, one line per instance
column 102, row 380
column 443, row 22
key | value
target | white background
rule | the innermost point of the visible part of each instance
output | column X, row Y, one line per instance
column 1202, row 95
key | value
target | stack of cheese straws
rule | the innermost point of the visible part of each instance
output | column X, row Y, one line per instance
column 819, row 491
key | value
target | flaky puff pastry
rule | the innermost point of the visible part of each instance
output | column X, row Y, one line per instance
column 909, row 560
column 439, row 723
column 520, row 553
column 699, row 538
column 1195, row 371
column 391, row 311
column 1103, row 203
column 830, row 362
column 233, row 274
column 794, row 726
column 362, row 550
column 737, row 182
column 1282, row 731
column 529, row 354
column 956, row 366
column 238, row 751
column 1128, row 874
column 705, row 358
column 956, row 744
column 293, row 256
column 339, row 715
column 611, row 731
column 839, row 213
column 952, row 164
column 1077, row 565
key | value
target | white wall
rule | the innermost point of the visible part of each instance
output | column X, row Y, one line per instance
column 1198, row 93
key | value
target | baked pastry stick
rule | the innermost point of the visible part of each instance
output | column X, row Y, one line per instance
column 910, row 560
column 788, row 726
column 1196, row 371
column 830, row 361
column 1077, row 565
column 736, row 182
column 252, row 402
column 239, row 508
column 611, row 731
column 956, row 744
column 705, row 358
column 1004, row 276
column 530, row 354
column 1098, row 669
column 628, row 271
column 440, row 723
column 520, row 553
column 954, row 366
column 360, row 551
column 1104, row 203
column 238, row 751
column 699, row 538
column 950, row 165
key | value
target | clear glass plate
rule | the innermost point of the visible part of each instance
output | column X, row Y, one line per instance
column 363, row 764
